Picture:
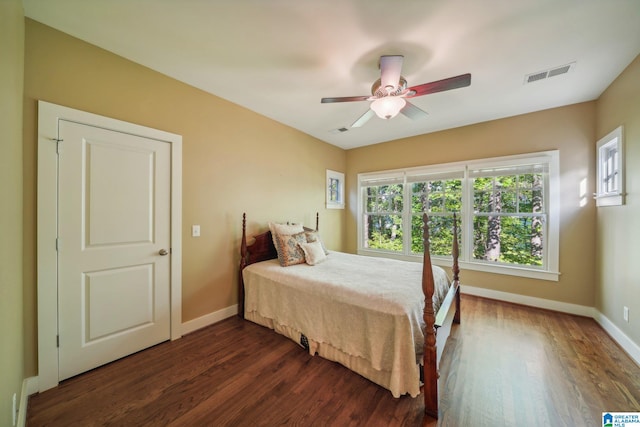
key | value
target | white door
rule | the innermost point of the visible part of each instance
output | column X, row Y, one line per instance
column 113, row 245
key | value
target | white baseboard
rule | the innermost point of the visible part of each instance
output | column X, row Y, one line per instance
column 29, row 387
column 564, row 307
column 209, row 319
column 627, row 344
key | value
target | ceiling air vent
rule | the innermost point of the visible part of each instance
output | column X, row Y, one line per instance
column 560, row 70
column 535, row 77
column 339, row 130
column 541, row 75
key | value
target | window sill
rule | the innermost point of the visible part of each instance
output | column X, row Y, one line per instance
column 609, row 200
column 474, row 266
column 530, row 273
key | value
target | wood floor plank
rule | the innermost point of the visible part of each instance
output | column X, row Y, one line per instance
column 505, row 365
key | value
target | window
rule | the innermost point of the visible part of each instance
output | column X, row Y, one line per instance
column 335, row 190
column 509, row 214
column 440, row 197
column 507, row 209
column 384, row 217
column 609, row 188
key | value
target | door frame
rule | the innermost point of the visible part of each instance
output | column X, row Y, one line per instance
column 47, row 226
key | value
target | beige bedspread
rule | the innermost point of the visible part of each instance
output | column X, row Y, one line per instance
column 363, row 312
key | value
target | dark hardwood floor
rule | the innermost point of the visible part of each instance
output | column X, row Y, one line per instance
column 505, row 365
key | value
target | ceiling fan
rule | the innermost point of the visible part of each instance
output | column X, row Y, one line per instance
column 389, row 92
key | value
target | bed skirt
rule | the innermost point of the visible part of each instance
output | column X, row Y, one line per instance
column 356, row 364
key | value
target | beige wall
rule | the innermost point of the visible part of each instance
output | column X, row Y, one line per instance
column 569, row 129
column 11, row 299
column 234, row 161
column 618, row 227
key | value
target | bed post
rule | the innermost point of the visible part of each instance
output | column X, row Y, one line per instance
column 430, row 362
column 243, row 264
column 455, row 269
column 317, row 221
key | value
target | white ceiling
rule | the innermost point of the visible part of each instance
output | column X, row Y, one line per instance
column 279, row 57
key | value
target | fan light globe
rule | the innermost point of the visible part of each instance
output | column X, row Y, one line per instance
column 388, row 107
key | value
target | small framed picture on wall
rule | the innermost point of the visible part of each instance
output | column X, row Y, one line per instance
column 335, row 190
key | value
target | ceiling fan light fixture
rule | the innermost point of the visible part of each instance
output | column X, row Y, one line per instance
column 388, row 93
column 388, row 107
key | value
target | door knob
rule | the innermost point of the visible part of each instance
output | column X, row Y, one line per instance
column 163, row 252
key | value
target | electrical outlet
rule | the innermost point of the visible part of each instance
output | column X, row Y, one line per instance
column 195, row 231
column 625, row 314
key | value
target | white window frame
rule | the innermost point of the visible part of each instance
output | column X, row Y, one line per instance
column 550, row 271
column 606, row 167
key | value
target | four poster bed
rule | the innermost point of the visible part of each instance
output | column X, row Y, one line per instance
column 366, row 313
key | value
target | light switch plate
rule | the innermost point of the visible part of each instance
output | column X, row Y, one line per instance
column 195, row 231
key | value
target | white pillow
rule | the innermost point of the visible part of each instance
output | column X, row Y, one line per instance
column 313, row 252
column 313, row 236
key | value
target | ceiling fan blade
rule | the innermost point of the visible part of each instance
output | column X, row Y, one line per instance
column 363, row 118
column 344, row 99
column 413, row 112
column 390, row 69
column 440, row 85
